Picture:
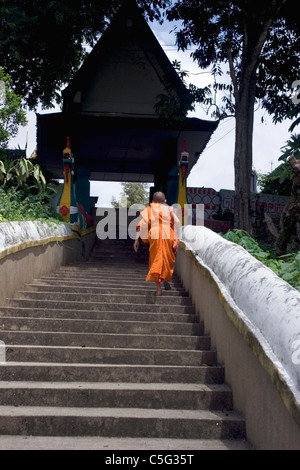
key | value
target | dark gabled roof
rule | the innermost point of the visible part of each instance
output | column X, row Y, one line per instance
column 111, row 39
column 115, row 143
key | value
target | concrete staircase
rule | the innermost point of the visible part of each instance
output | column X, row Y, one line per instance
column 94, row 360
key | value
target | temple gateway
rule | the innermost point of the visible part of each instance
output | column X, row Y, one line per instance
column 109, row 116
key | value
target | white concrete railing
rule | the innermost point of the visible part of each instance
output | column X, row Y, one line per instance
column 15, row 234
column 268, row 305
column 29, row 250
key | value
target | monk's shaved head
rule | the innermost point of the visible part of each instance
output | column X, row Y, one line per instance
column 159, row 197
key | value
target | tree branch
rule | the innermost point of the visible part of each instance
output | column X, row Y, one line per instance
column 233, row 75
column 258, row 45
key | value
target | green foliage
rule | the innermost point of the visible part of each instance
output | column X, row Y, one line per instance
column 42, row 43
column 230, row 32
column 290, row 270
column 172, row 107
column 287, row 266
column 279, row 181
column 24, row 192
column 21, row 206
column 11, row 113
column 132, row 193
column 15, row 173
column 243, row 239
column 292, row 147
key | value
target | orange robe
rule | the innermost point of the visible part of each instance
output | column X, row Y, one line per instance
column 157, row 226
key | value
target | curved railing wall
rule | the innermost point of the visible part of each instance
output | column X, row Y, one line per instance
column 29, row 250
column 253, row 317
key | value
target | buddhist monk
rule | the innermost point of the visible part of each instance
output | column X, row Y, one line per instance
column 160, row 227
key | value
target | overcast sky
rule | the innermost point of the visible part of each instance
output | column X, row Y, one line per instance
column 214, row 168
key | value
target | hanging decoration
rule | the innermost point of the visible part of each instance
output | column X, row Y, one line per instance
column 182, row 212
column 67, row 205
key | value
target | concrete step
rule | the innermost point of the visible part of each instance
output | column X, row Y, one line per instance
column 92, row 353
column 98, row 268
column 132, row 277
column 126, row 395
column 74, row 282
column 138, row 258
column 115, row 261
column 107, row 278
column 112, row 256
column 111, row 249
column 92, row 265
column 160, row 307
column 111, row 315
column 100, row 326
column 107, row 281
column 127, row 444
column 100, row 355
column 119, row 422
column 105, row 298
column 105, row 340
column 135, row 270
column 133, row 373
column 117, row 289
column 122, row 251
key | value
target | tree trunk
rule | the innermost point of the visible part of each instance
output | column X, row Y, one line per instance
column 243, row 153
column 291, row 214
column 244, row 86
column 270, row 225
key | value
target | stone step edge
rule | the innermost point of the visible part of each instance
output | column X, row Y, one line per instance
column 166, row 294
column 104, row 349
column 79, row 365
column 100, row 355
column 101, row 291
column 95, row 335
column 13, row 442
column 127, row 422
column 104, row 299
column 190, row 317
column 91, row 321
column 96, row 287
column 192, row 415
column 91, row 372
column 105, row 284
column 155, row 386
column 120, row 397
column 69, row 304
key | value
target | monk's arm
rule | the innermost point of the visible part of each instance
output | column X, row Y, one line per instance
column 177, row 226
column 175, row 246
column 137, row 240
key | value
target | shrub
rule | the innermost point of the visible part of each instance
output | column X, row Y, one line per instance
column 287, row 266
column 19, row 206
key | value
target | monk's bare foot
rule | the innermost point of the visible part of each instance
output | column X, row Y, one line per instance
column 158, row 289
